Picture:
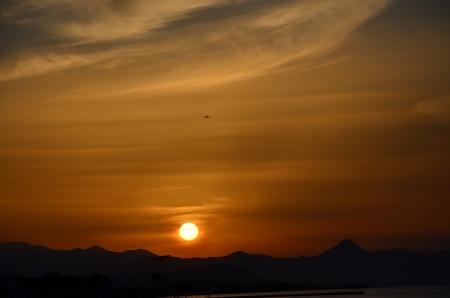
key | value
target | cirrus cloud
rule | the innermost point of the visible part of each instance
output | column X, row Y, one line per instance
column 178, row 43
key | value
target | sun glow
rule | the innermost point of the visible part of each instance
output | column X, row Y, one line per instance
column 188, row 231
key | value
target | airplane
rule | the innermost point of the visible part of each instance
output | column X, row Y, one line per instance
column 206, row 116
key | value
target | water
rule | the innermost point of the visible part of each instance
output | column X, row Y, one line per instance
column 410, row 292
column 391, row 292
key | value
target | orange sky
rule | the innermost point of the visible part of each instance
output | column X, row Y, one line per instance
column 330, row 120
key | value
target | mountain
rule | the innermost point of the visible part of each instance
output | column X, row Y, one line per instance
column 30, row 260
column 345, row 249
column 344, row 264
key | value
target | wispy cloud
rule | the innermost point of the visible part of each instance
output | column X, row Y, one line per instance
column 201, row 209
column 45, row 60
column 181, row 43
column 166, row 188
column 97, row 20
column 203, row 213
column 435, row 108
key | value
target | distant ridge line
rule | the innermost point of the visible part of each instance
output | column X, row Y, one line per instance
column 344, row 245
column 344, row 264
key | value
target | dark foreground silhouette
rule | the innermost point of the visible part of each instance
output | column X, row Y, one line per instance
column 345, row 264
column 56, row 285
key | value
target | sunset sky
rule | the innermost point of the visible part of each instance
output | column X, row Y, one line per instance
column 330, row 119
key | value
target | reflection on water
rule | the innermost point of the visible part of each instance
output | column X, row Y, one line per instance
column 391, row 292
column 410, row 292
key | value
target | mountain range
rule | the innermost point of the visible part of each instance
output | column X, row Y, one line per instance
column 344, row 264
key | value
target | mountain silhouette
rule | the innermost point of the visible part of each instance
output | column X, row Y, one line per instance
column 30, row 260
column 344, row 264
column 345, row 249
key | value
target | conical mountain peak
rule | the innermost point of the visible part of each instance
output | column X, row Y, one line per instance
column 96, row 248
column 345, row 248
column 348, row 244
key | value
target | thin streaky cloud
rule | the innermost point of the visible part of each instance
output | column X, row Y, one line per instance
column 46, row 60
column 434, row 108
column 251, row 38
column 97, row 20
column 206, row 211
column 165, row 188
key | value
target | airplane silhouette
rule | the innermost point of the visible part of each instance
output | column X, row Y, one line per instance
column 206, row 116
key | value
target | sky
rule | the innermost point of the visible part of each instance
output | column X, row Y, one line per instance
column 328, row 120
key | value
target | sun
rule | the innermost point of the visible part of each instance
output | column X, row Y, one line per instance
column 188, row 231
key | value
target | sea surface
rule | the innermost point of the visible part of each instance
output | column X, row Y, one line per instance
column 382, row 292
column 411, row 292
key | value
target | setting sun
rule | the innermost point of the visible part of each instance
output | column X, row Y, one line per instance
column 188, row 231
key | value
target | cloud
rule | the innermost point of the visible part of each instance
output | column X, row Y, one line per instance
column 165, row 188
column 37, row 62
column 97, row 20
column 180, row 43
column 200, row 211
column 435, row 108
